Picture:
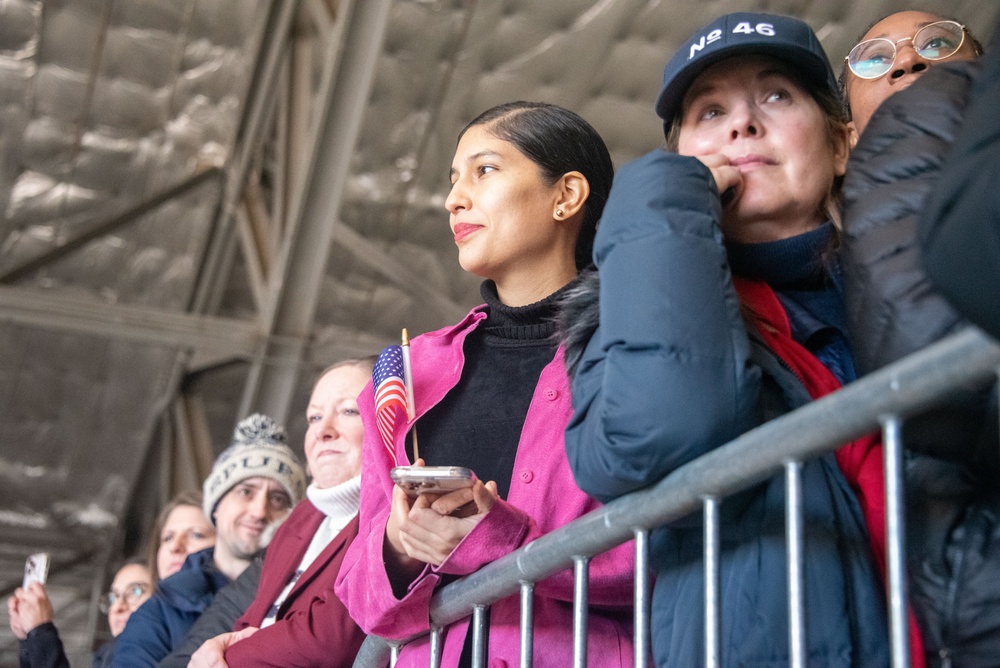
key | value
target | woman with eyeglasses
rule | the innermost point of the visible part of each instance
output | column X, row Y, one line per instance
column 893, row 165
column 893, row 53
column 130, row 589
column 31, row 617
column 894, row 309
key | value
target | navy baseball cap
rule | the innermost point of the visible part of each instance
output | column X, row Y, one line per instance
column 783, row 37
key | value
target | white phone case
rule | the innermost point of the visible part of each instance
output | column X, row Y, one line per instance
column 432, row 479
column 36, row 569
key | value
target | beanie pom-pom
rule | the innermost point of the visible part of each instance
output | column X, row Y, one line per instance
column 257, row 428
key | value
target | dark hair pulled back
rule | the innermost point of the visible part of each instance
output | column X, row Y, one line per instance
column 558, row 141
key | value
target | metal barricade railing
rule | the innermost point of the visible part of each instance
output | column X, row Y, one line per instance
column 882, row 399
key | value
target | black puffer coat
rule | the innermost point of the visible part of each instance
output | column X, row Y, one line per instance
column 953, row 499
column 43, row 648
column 960, row 226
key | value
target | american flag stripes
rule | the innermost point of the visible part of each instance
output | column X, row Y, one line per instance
column 390, row 394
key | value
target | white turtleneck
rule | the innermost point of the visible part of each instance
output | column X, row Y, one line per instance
column 340, row 504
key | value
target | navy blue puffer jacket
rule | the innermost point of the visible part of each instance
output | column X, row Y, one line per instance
column 669, row 375
column 161, row 623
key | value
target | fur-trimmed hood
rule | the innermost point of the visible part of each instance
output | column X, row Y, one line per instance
column 579, row 315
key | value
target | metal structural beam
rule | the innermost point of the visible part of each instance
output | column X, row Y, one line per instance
column 35, row 307
column 335, row 342
column 213, row 273
column 210, row 340
column 300, row 269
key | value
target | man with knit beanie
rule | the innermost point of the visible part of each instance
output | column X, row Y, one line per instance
column 253, row 485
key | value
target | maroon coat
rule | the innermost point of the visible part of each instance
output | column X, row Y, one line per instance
column 312, row 626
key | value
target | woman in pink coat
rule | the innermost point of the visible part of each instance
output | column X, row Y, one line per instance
column 529, row 182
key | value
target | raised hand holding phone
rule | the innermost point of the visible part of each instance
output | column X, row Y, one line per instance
column 30, row 606
column 434, row 526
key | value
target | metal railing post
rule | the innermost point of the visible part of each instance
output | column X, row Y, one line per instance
column 581, row 581
column 892, row 441
column 435, row 648
column 794, row 546
column 713, row 641
column 642, row 599
column 479, row 636
column 527, row 624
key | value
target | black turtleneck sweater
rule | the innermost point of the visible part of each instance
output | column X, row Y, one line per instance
column 478, row 423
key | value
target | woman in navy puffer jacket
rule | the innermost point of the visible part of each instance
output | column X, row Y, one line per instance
column 713, row 318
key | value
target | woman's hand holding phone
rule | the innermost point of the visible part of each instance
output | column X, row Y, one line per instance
column 427, row 529
column 432, row 530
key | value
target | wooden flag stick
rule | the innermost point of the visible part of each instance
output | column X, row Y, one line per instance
column 408, row 384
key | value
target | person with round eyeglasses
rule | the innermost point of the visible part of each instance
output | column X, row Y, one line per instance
column 31, row 617
column 894, row 310
column 130, row 589
column 893, row 53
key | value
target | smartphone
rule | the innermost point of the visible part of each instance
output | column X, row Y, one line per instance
column 36, row 569
column 418, row 480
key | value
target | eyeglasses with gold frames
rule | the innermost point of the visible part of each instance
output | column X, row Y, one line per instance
column 874, row 58
column 133, row 596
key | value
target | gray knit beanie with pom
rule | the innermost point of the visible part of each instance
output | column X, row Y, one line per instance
column 258, row 450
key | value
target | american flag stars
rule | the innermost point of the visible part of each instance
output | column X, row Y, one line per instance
column 390, row 395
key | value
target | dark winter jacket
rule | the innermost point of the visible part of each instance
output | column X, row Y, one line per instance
column 953, row 509
column 960, row 228
column 103, row 654
column 227, row 606
column 43, row 648
column 671, row 374
column 161, row 622
column 891, row 171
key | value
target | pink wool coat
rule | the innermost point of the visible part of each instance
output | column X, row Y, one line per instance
column 543, row 497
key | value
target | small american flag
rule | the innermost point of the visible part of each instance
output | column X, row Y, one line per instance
column 390, row 394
